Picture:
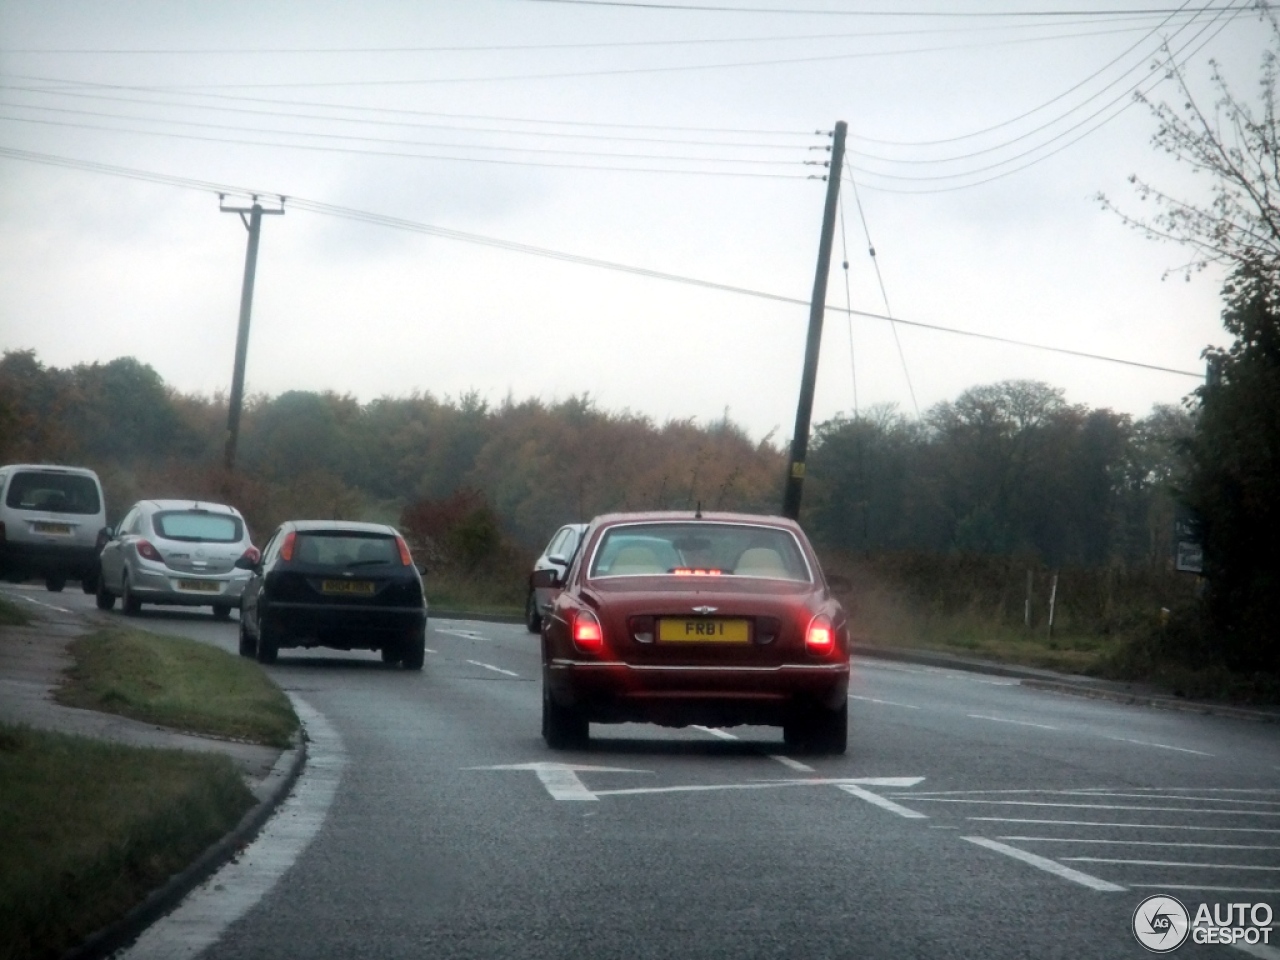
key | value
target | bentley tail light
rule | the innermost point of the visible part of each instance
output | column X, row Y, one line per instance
column 405, row 558
column 820, row 638
column 587, row 633
column 145, row 549
column 286, row 548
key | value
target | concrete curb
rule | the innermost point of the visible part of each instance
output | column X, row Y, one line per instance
column 271, row 792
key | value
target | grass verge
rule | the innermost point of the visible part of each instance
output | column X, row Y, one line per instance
column 11, row 615
column 90, row 828
column 1110, row 622
column 457, row 591
column 177, row 683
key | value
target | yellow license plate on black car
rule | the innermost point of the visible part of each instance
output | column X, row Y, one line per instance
column 205, row 586
column 358, row 588
column 42, row 527
column 703, row 630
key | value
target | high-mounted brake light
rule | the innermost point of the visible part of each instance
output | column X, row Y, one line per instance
column 145, row 549
column 286, row 548
column 406, row 559
column 588, row 636
column 820, row 638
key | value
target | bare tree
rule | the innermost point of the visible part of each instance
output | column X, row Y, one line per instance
column 1239, row 148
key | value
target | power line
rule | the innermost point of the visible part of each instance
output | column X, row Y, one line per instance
column 407, row 143
column 1035, row 152
column 848, row 305
column 1033, row 111
column 531, row 47
column 480, row 239
column 414, row 156
column 403, row 112
column 611, row 72
column 399, row 124
column 794, row 11
column 871, row 249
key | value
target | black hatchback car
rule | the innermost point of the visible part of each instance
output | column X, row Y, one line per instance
column 334, row 583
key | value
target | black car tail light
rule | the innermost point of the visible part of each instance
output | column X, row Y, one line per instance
column 641, row 629
column 767, row 629
column 286, row 548
column 406, row 559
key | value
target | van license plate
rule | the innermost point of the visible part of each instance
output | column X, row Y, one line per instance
column 42, row 527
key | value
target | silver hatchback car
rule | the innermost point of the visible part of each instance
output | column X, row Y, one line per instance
column 176, row 552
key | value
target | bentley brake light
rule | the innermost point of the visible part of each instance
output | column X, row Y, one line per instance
column 587, row 633
column 820, row 638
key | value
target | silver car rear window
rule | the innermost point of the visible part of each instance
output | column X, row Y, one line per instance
column 198, row 525
column 699, row 549
column 55, row 492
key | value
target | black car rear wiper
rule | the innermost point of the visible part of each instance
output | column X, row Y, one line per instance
column 365, row 563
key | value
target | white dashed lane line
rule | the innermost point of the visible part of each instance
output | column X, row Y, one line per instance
column 490, row 666
column 784, row 760
column 887, row 703
column 1020, row 723
column 1160, row 746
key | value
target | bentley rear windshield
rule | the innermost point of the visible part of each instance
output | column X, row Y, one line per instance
column 699, row 549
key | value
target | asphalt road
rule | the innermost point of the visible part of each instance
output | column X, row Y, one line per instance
column 971, row 817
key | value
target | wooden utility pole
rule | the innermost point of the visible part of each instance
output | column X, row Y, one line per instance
column 804, row 409
column 254, row 225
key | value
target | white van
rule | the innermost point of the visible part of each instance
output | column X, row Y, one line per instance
column 50, row 517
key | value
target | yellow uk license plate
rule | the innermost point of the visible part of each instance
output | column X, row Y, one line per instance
column 348, row 587
column 201, row 586
column 43, row 527
column 703, row 630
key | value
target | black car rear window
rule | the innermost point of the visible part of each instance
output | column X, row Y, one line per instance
column 57, row 492
column 346, row 549
column 198, row 525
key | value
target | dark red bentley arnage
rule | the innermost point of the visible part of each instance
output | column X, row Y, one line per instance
column 716, row 619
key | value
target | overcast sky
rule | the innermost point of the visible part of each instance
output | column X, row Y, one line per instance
column 677, row 138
